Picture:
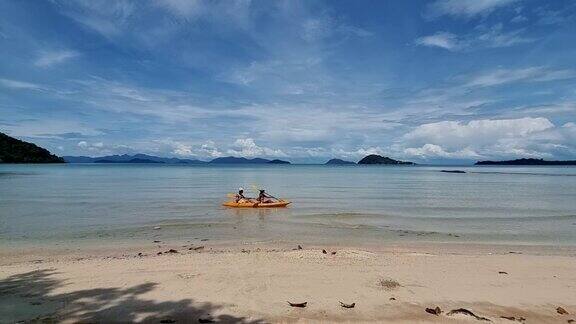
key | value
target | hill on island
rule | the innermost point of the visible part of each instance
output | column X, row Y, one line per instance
column 378, row 159
column 276, row 161
column 242, row 160
column 339, row 162
column 526, row 162
column 13, row 150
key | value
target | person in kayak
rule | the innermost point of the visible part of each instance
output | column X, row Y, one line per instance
column 239, row 197
column 264, row 198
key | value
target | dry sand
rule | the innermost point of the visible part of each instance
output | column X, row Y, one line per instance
column 391, row 284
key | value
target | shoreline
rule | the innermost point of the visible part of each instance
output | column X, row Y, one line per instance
column 121, row 249
column 251, row 283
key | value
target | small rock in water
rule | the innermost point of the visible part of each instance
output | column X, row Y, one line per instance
column 333, row 252
column 324, row 252
column 198, row 248
column 172, row 251
column 157, row 241
column 159, row 253
column 204, row 240
column 35, row 303
column 561, row 311
column 167, row 321
column 140, row 254
column 299, row 247
column 434, row 311
column 205, row 320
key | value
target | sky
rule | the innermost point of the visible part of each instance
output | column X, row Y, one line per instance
column 440, row 81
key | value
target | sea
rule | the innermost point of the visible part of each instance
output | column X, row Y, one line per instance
column 104, row 204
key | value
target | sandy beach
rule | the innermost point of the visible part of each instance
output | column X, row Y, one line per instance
column 205, row 282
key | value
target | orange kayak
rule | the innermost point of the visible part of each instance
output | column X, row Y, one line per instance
column 247, row 204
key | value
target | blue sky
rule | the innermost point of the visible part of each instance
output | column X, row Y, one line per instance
column 429, row 81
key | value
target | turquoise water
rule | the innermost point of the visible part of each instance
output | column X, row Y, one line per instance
column 92, row 203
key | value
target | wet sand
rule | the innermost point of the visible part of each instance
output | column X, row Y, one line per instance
column 253, row 283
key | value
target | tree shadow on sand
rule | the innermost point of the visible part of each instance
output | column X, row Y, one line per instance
column 31, row 298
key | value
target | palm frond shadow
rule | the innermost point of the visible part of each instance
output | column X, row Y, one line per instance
column 32, row 297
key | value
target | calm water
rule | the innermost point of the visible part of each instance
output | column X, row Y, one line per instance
column 75, row 204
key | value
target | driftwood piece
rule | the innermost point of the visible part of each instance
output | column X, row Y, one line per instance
column 347, row 305
column 301, row 305
column 464, row 311
column 434, row 311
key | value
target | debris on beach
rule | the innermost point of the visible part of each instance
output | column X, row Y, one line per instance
column 571, row 321
column 347, row 305
column 206, row 320
column 464, row 311
column 452, row 171
column 156, row 241
column 513, row 318
column 502, row 272
column 434, row 311
column 324, row 251
column 171, row 251
column 561, row 311
column 157, row 227
column 204, row 240
column 168, row 320
column 198, row 248
column 333, row 252
column 389, row 284
column 301, row 305
column 159, row 253
column 391, row 298
column 299, row 247
column 140, row 254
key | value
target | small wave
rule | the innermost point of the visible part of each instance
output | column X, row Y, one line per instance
column 525, row 173
column 349, row 215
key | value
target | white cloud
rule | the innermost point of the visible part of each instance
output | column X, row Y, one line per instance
column 49, row 58
column 530, row 74
column 183, row 149
column 478, row 139
column 444, row 40
column 436, row 151
column 14, row 84
column 483, row 37
column 246, row 147
column 465, row 8
column 97, row 147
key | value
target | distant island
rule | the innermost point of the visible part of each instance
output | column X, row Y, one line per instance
column 144, row 158
column 378, row 159
column 13, row 150
column 339, row 162
column 126, row 158
column 526, row 162
column 242, row 160
column 276, row 161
